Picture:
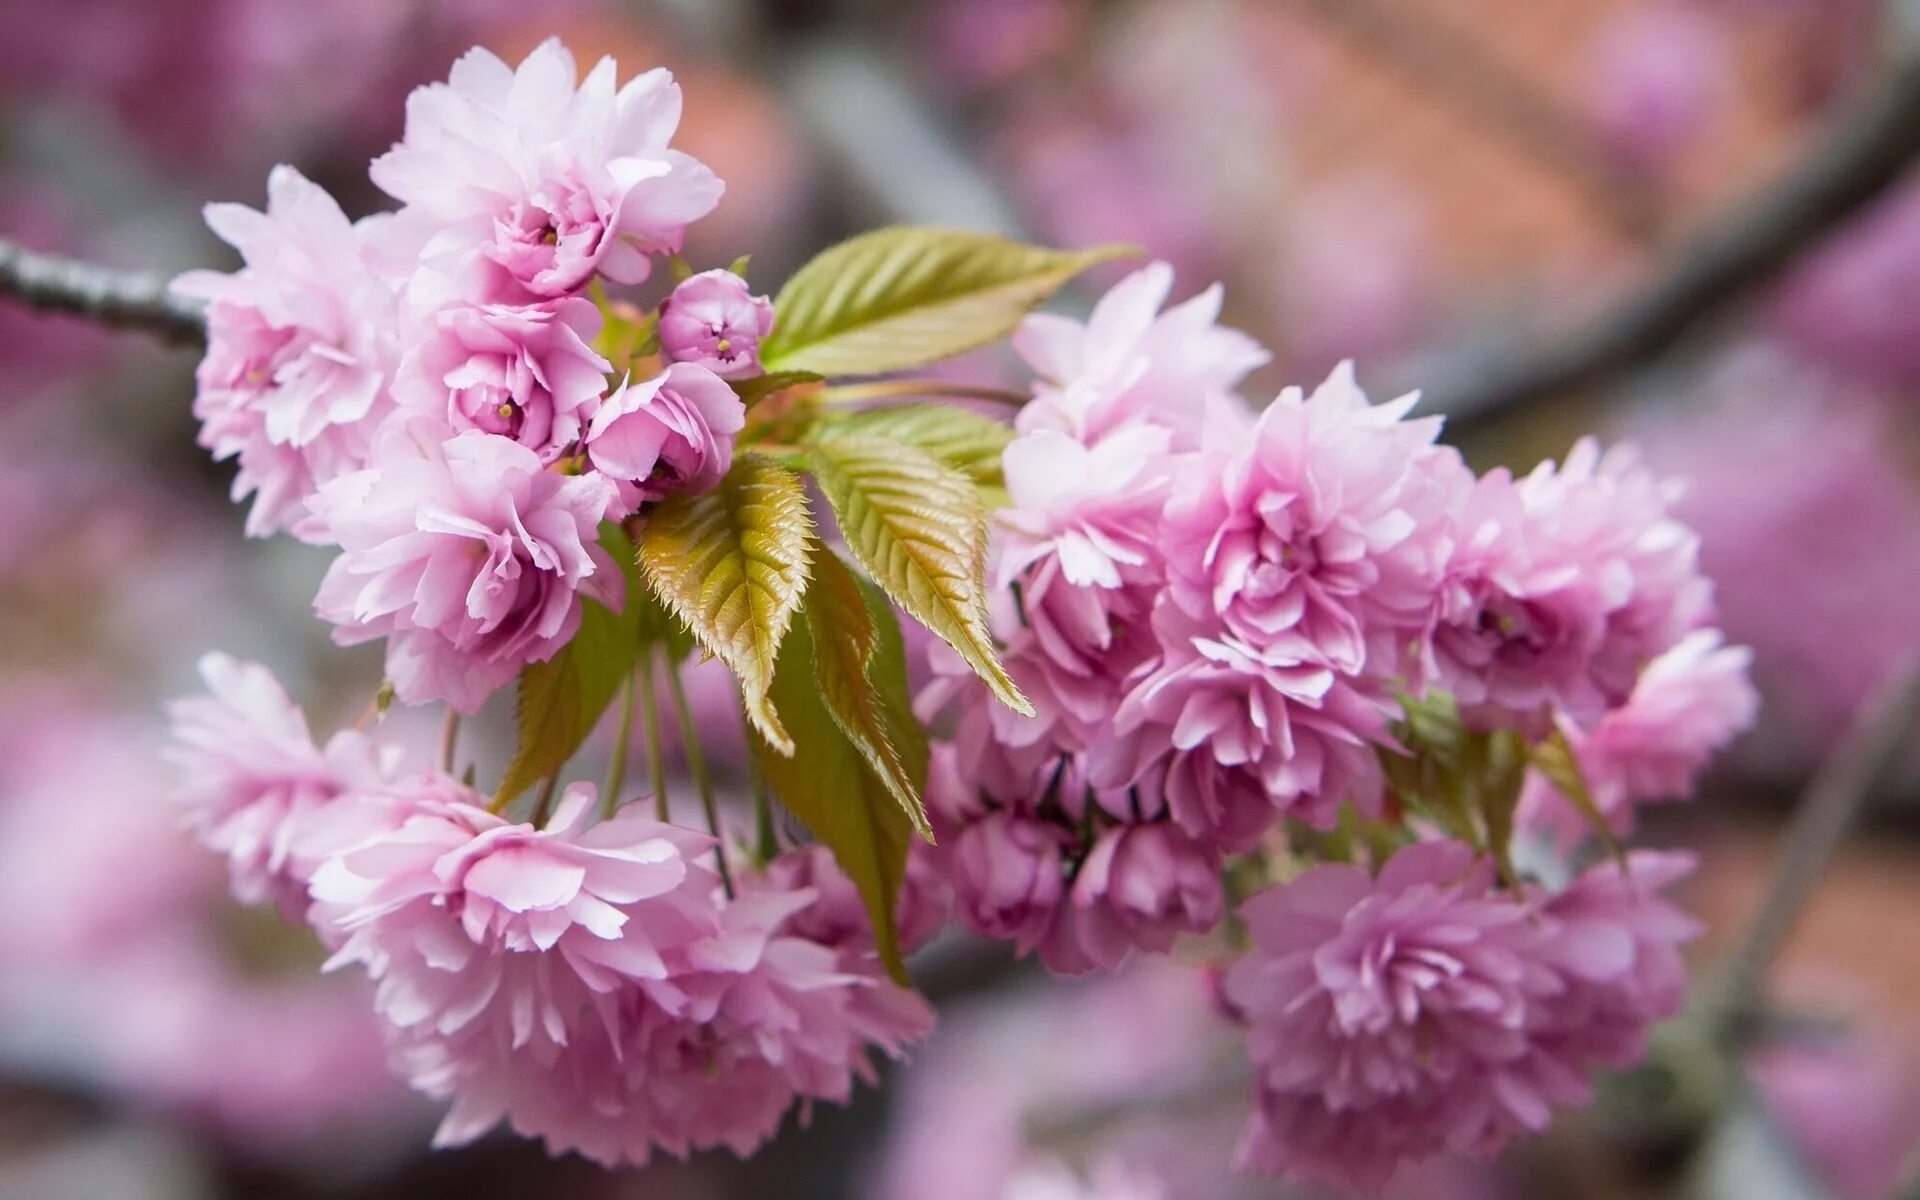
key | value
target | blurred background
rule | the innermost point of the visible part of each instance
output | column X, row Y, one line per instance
column 1688, row 222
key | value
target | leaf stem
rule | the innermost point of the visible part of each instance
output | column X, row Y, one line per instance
column 544, row 807
column 622, row 741
column 702, row 779
column 650, row 722
column 449, row 738
column 886, row 389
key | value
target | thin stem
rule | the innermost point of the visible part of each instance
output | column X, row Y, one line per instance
column 117, row 299
column 886, row 389
column 449, row 738
column 766, row 839
column 650, row 722
column 622, row 741
column 702, row 780
column 543, row 808
column 1826, row 811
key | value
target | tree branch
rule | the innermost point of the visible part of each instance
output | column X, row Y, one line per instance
column 1869, row 149
column 117, row 299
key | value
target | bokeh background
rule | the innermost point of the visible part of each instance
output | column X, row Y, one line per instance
column 1452, row 192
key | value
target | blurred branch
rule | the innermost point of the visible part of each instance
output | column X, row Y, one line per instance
column 1867, row 151
column 117, row 299
column 1457, row 69
column 1870, row 750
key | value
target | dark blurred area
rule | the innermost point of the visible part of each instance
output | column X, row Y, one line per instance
column 1451, row 192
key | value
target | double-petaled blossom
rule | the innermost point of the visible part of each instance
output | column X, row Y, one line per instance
column 671, row 433
column 1422, row 1011
column 1689, row 703
column 255, row 788
column 524, row 372
column 1140, row 887
column 1320, row 531
column 713, row 319
column 540, row 179
column 466, row 555
column 1130, row 362
column 301, row 347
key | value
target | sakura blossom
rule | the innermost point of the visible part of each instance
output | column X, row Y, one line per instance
column 714, row 320
column 671, row 433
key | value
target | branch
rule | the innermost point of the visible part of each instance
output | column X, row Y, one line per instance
column 116, row 299
column 1868, row 150
column 1871, row 748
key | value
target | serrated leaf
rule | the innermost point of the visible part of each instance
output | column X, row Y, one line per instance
column 916, row 527
column 968, row 442
column 907, row 296
column 562, row 699
column 731, row 564
column 1554, row 758
column 828, row 784
column 759, row 387
column 846, row 634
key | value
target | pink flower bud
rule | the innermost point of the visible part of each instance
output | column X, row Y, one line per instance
column 713, row 319
column 673, row 433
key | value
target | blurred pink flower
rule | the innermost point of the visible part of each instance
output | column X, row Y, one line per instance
column 256, row 789
column 1854, row 303
column 1658, row 81
column 714, row 320
column 1139, row 888
column 1851, row 1105
column 467, row 557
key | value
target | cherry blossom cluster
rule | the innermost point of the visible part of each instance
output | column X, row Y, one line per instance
column 1225, row 621
column 592, row 984
column 429, row 390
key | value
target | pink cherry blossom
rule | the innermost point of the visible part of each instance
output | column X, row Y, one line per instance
column 525, row 372
column 1849, row 1103
column 466, row 556
column 1007, row 875
column 672, row 433
column 838, row 916
column 1387, row 1018
column 1321, row 532
column 1659, row 79
column 545, row 177
column 300, row 348
column 1131, row 362
column 1095, row 509
column 255, row 787
column 1140, row 887
column 714, row 320
column 1689, row 703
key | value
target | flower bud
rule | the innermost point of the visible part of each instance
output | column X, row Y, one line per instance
column 712, row 319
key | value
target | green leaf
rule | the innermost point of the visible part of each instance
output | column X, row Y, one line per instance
column 968, row 442
column 731, row 564
column 1554, row 758
column 916, row 527
column 846, row 630
column 761, row 386
column 828, row 784
column 740, row 265
column 562, row 699
column 907, row 296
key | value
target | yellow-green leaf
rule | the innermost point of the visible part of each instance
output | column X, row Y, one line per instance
column 907, row 296
column 1554, row 758
column 562, row 699
column 846, row 635
column 968, row 442
column 916, row 527
column 732, row 565
column 828, row 784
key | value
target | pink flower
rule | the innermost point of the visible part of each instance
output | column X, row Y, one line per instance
column 1388, row 1018
column 1850, row 1104
column 1658, row 81
column 545, row 177
column 1094, row 509
column 300, row 348
column 466, row 556
column 838, row 916
column 528, row 373
column 713, row 320
column 1689, row 703
column 1130, row 362
column 672, row 433
column 1559, row 588
column 256, row 789
column 1318, row 534
column 1140, row 887
column 1006, row 872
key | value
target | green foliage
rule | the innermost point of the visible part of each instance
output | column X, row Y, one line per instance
column 968, row 442
column 759, row 387
column 830, row 785
column 907, row 296
column 862, row 677
column 1554, row 758
column 916, row 526
column 731, row 564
